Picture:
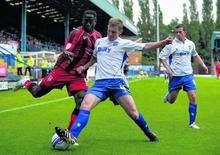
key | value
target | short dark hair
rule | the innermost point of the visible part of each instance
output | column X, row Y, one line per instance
column 88, row 13
column 181, row 26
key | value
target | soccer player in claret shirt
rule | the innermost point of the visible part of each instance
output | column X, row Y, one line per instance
column 111, row 54
column 78, row 51
column 180, row 70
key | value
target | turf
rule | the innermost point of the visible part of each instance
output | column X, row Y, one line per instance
column 110, row 131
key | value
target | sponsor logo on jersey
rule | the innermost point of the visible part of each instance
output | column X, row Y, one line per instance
column 182, row 53
column 104, row 49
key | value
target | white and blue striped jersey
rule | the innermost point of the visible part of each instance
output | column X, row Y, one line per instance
column 179, row 54
column 112, row 55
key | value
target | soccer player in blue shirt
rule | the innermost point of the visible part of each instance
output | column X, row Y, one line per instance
column 180, row 70
column 111, row 53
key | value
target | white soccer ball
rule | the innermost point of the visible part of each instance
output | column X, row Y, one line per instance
column 58, row 143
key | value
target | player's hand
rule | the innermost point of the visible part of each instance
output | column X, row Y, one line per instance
column 170, row 74
column 80, row 69
column 167, row 41
column 205, row 69
column 68, row 55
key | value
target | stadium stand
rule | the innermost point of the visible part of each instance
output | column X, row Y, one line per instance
column 40, row 26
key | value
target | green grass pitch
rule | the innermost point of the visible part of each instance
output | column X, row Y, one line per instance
column 110, row 131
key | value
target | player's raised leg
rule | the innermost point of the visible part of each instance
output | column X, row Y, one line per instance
column 174, row 88
column 37, row 90
column 171, row 96
column 22, row 83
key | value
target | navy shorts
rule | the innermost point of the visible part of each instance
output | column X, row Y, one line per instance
column 186, row 82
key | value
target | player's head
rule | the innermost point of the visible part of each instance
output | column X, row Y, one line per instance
column 115, row 28
column 180, row 32
column 89, row 20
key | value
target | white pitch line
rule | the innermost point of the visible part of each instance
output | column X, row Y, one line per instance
column 34, row 105
column 48, row 102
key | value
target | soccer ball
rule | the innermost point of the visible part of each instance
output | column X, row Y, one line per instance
column 58, row 143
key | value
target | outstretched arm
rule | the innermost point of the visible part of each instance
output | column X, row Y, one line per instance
column 153, row 45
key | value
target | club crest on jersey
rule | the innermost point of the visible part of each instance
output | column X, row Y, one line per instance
column 68, row 45
column 50, row 78
column 189, row 48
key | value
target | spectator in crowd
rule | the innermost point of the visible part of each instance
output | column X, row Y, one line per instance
column 19, row 63
column 30, row 65
column 44, row 66
column 33, row 43
column 51, row 65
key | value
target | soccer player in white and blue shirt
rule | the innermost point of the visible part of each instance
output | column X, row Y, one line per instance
column 111, row 54
column 180, row 70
